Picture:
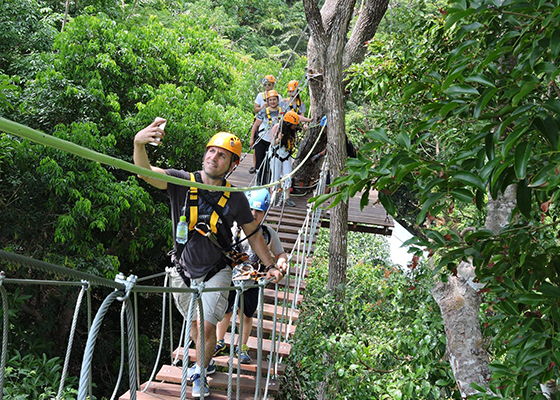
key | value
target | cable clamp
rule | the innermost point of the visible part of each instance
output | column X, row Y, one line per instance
column 2, row 276
column 85, row 284
column 128, row 284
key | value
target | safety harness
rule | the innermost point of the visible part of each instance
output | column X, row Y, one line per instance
column 298, row 105
column 214, row 227
column 270, row 117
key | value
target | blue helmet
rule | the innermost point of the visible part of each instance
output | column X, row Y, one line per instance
column 259, row 199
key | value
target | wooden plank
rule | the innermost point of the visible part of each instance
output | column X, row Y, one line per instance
column 172, row 391
column 269, row 295
column 219, row 380
column 268, row 311
column 223, row 361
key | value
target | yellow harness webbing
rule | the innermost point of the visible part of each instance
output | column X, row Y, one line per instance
column 194, row 207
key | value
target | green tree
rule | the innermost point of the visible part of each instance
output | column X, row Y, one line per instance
column 386, row 340
column 478, row 113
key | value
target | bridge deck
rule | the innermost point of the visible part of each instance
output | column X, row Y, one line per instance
column 372, row 219
column 288, row 222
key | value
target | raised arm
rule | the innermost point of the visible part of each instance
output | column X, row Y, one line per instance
column 151, row 134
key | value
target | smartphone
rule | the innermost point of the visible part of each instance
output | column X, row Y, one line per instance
column 162, row 126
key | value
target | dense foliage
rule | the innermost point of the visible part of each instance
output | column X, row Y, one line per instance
column 96, row 81
column 386, row 339
column 479, row 111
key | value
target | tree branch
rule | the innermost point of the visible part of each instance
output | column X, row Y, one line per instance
column 365, row 28
column 315, row 23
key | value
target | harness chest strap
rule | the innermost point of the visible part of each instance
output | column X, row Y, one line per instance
column 193, row 207
column 270, row 117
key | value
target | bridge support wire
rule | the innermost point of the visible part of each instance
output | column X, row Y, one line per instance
column 121, row 368
column 194, row 297
column 85, row 288
column 5, row 327
column 162, row 332
column 92, row 338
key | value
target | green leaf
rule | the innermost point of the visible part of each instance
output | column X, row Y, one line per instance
column 542, row 177
column 531, row 299
column 318, row 200
column 387, row 203
column 412, row 89
column 527, row 88
column 485, row 172
column 555, row 43
column 509, row 307
column 379, row 135
column 549, row 129
column 511, row 139
column 457, row 16
column 448, row 107
column 430, row 201
column 521, row 159
column 524, row 198
column 480, row 78
column 457, row 90
column 403, row 139
column 463, row 195
column 435, row 236
column 469, row 179
column 549, row 290
column 451, row 78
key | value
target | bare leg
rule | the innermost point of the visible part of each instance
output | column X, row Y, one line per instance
column 247, row 328
column 210, row 342
column 222, row 326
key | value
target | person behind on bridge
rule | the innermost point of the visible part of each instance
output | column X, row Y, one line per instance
column 259, row 201
column 268, row 83
column 260, row 133
column 202, row 258
column 295, row 104
column 283, row 136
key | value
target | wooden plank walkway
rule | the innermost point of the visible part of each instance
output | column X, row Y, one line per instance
column 288, row 222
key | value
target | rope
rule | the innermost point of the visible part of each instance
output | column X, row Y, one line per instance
column 161, row 336
column 5, row 327
column 132, row 361
column 23, row 131
column 90, row 345
column 187, row 335
column 85, row 288
column 238, row 292
column 292, row 52
column 262, row 282
column 48, row 267
column 121, row 367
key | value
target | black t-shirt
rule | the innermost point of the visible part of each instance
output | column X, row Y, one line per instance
column 200, row 254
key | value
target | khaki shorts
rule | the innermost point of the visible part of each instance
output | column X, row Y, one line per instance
column 214, row 304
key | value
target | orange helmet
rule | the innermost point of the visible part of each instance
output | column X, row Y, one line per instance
column 291, row 117
column 226, row 141
column 271, row 93
column 292, row 85
column 268, row 78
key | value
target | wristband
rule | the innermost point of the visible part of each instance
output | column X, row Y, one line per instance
column 270, row 267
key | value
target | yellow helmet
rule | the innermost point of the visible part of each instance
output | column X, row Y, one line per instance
column 292, row 85
column 268, row 78
column 271, row 93
column 291, row 117
column 226, row 141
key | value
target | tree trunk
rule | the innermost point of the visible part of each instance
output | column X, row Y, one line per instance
column 459, row 302
column 331, row 19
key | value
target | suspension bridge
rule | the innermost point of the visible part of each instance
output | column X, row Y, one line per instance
column 277, row 316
